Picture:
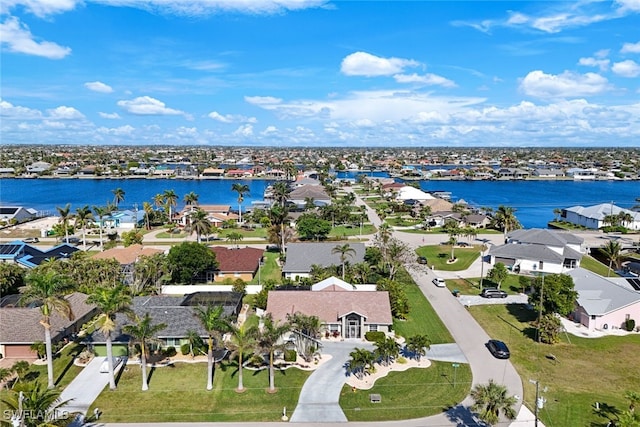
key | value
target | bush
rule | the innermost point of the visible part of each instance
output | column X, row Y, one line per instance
column 374, row 336
column 290, row 355
column 169, row 351
column 185, row 349
column 629, row 325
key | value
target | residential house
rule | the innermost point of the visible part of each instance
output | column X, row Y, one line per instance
column 240, row 263
column 216, row 214
column 212, row 173
column 343, row 310
column 20, row 326
column 512, row 173
column 126, row 219
column 7, row 172
column 604, row 303
column 11, row 214
column 300, row 195
column 539, row 251
column 30, row 256
column 408, row 192
column 239, row 173
column 127, row 258
column 88, row 171
column 548, row 173
column 302, row 256
column 593, row 217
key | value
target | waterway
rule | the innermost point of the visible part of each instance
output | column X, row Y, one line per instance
column 534, row 201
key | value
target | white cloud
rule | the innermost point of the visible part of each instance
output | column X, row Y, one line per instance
column 262, row 100
column 231, row 118
column 65, row 113
column 118, row 131
column 244, row 131
column 8, row 110
column 629, row 5
column 630, row 48
column 112, row 116
column 426, row 79
column 365, row 64
column 626, row 68
column 17, row 38
column 98, row 87
column 40, row 8
column 145, row 105
column 269, row 130
column 601, row 64
column 565, row 85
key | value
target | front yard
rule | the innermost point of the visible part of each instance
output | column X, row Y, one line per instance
column 438, row 255
column 586, row 370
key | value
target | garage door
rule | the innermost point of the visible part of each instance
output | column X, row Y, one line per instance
column 506, row 261
column 19, row 352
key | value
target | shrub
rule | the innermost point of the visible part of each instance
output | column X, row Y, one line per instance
column 169, row 351
column 374, row 336
column 185, row 349
column 629, row 325
column 290, row 355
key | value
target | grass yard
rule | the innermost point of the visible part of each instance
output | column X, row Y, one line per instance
column 592, row 264
column 587, row 370
column 270, row 269
column 471, row 285
column 422, row 319
column 346, row 231
column 415, row 393
column 439, row 254
column 178, row 394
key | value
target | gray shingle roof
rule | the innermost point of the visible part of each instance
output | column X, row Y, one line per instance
column 541, row 236
column 301, row 256
column 598, row 295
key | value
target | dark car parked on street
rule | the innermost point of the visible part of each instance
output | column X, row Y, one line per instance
column 493, row 293
column 498, row 349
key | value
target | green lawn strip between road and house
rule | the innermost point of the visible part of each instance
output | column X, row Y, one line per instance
column 345, row 231
column 439, row 254
column 585, row 370
column 178, row 394
column 415, row 393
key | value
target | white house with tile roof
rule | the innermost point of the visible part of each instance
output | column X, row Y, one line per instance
column 594, row 216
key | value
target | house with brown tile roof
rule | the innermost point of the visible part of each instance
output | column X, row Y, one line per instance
column 342, row 309
column 20, row 326
column 237, row 263
column 127, row 258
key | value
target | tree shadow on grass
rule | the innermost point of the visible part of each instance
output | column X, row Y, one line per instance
column 608, row 413
column 524, row 316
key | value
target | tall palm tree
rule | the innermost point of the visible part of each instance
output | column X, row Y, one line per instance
column 35, row 406
column 361, row 362
column 170, row 199
column 506, row 220
column 215, row 324
column 241, row 189
column 243, row 340
column 100, row 213
column 613, row 252
column 47, row 288
column 280, row 193
column 344, row 251
column 148, row 210
column 118, row 196
column 235, row 237
column 491, row 400
column 199, row 223
column 109, row 302
column 191, row 199
column 143, row 332
column 269, row 342
column 279, row 216
column 387, row 349
column 82, row 217
column 65, row 217
column 418, row 345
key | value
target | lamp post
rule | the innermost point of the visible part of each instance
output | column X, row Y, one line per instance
column 482, row 249
column 259, row 270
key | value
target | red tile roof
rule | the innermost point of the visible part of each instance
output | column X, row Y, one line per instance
column 242, row 260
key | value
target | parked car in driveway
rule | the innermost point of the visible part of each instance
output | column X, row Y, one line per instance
column 493, row 293
column 498, row 349
column 31, row 240
column 439, row 282
column 422, row 260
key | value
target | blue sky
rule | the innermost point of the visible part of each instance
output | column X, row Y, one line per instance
column 320, row 73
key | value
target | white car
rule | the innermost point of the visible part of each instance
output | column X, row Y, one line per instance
column 439, row 282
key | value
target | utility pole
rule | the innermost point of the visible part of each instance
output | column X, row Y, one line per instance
column 541, row 300
column 539, row 401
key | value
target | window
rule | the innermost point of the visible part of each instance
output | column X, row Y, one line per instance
column 373, row 328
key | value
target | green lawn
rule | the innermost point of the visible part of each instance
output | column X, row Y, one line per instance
column 471, row 285
column 345, row 231
column 439, row 254
column 417, row 392
column 596, row 266
column 178, row 394
column 270, row 269
column 586, row 370
column 422, row 319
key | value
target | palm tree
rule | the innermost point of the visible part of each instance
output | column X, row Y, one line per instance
column 148, row 210
column 506, row 220
column 143, row 332
column 243, row 339
column 82, row 218
column 199, row 223
column 47, row 289
column 556, row 213
column 269, row 342
column 191, row 199
column 35, row 406
column 241, row 189
column 418, row 345
column 100, row 212
column 280, row 193
column 65, row 217
column 118, row 196
column 110, row 301
column 279, row 216
column 158, row 200
column 215, row 324
column 387, row 349
column 491, row 400
column 344, row 251
column 171, row 199
column 235, row 237
column 613, row 252
column 361, row 362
